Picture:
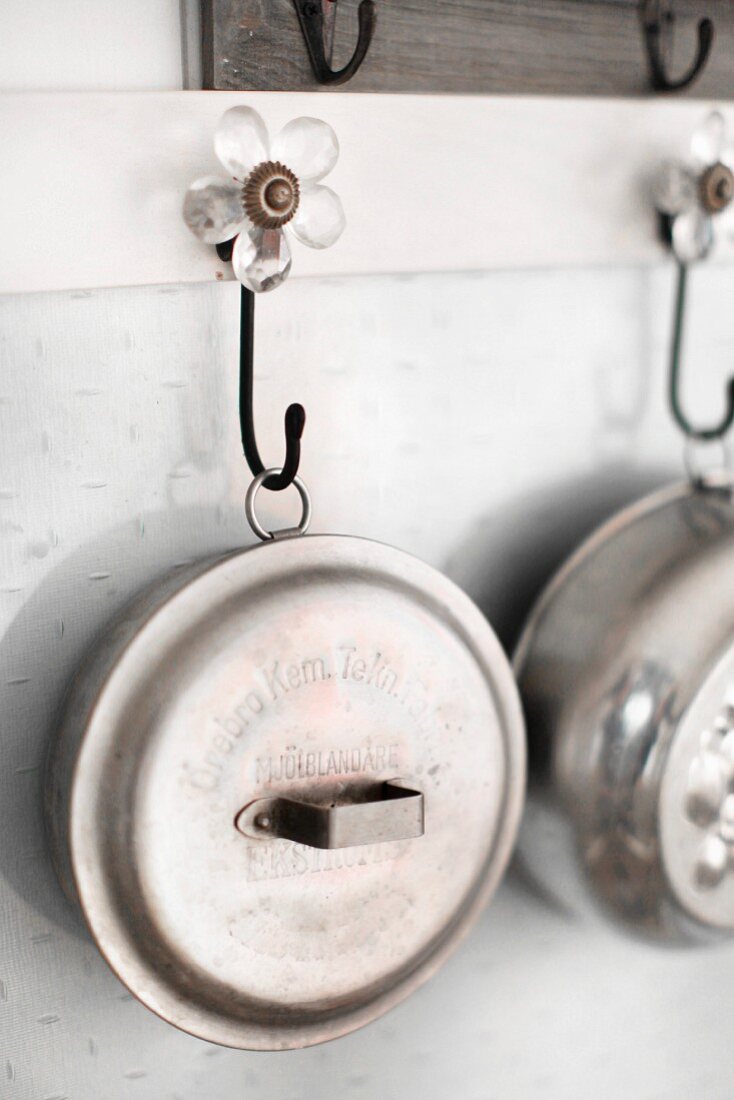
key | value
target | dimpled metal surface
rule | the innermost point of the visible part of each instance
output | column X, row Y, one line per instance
column 312, row 668
column 625, row 669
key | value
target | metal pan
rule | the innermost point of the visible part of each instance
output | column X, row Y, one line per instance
column 284, row 789
column 626, row 670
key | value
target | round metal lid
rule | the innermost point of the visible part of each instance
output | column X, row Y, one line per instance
column 292, row 790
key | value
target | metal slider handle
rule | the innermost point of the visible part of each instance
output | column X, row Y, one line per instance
column 390, row 811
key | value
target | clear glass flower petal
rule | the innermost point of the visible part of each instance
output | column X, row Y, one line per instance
column 241, row 141
column 693, row 235
column 213, row 209
column 727, row 155
column 319, row 220
column 724, row 225
column 261, row 259
column 308, row 146
column 674, row 188
column 709, row 139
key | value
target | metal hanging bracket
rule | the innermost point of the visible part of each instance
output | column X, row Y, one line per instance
column 318, row 18
column 295, row 414
column 657, row 21
column 715, row 431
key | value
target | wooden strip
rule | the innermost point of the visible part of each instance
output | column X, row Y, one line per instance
column 93, row 185
column 516, row 47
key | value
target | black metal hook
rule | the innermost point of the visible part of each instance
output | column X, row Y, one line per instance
column 658, row 26
column 717, row 430
column 317, row 19
column 295, row 415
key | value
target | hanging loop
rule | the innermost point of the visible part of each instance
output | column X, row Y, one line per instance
column 658, row 20
column 716, row 431
column 262, row 533
column 317, row 18
column 708, row 465
column 295, row 416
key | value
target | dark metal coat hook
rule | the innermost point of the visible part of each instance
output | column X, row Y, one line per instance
column 317, row 18
column 295, row 415
column 716, row 431
column 658, row 20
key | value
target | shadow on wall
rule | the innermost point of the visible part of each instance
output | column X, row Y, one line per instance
column 512, row 554
column 42, row 650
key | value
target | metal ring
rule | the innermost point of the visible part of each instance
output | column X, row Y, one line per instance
column 707, row 475
column 254, row 522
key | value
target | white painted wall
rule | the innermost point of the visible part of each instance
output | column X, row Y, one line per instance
column 479, row 420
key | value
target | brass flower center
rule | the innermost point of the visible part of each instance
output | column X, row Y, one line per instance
column 279, row 195
column 716, row 188
column 270, row 195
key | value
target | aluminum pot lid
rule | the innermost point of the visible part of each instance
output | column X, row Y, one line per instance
column 291, row 790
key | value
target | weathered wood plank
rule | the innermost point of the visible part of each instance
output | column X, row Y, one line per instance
column 539, row 47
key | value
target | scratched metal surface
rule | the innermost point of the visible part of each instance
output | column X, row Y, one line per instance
column 481, row 422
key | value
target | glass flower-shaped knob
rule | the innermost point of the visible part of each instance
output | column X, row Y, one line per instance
column 272, row 189
column 697, row 196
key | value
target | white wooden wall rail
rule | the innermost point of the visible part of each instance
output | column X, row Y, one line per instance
column 92, row 184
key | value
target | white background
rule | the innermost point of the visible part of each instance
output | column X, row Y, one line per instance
column 483, row 421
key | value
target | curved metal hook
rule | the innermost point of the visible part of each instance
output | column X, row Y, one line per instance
column 317, row 23
column 295, row 416
column 656, row 24
column 716, row 431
